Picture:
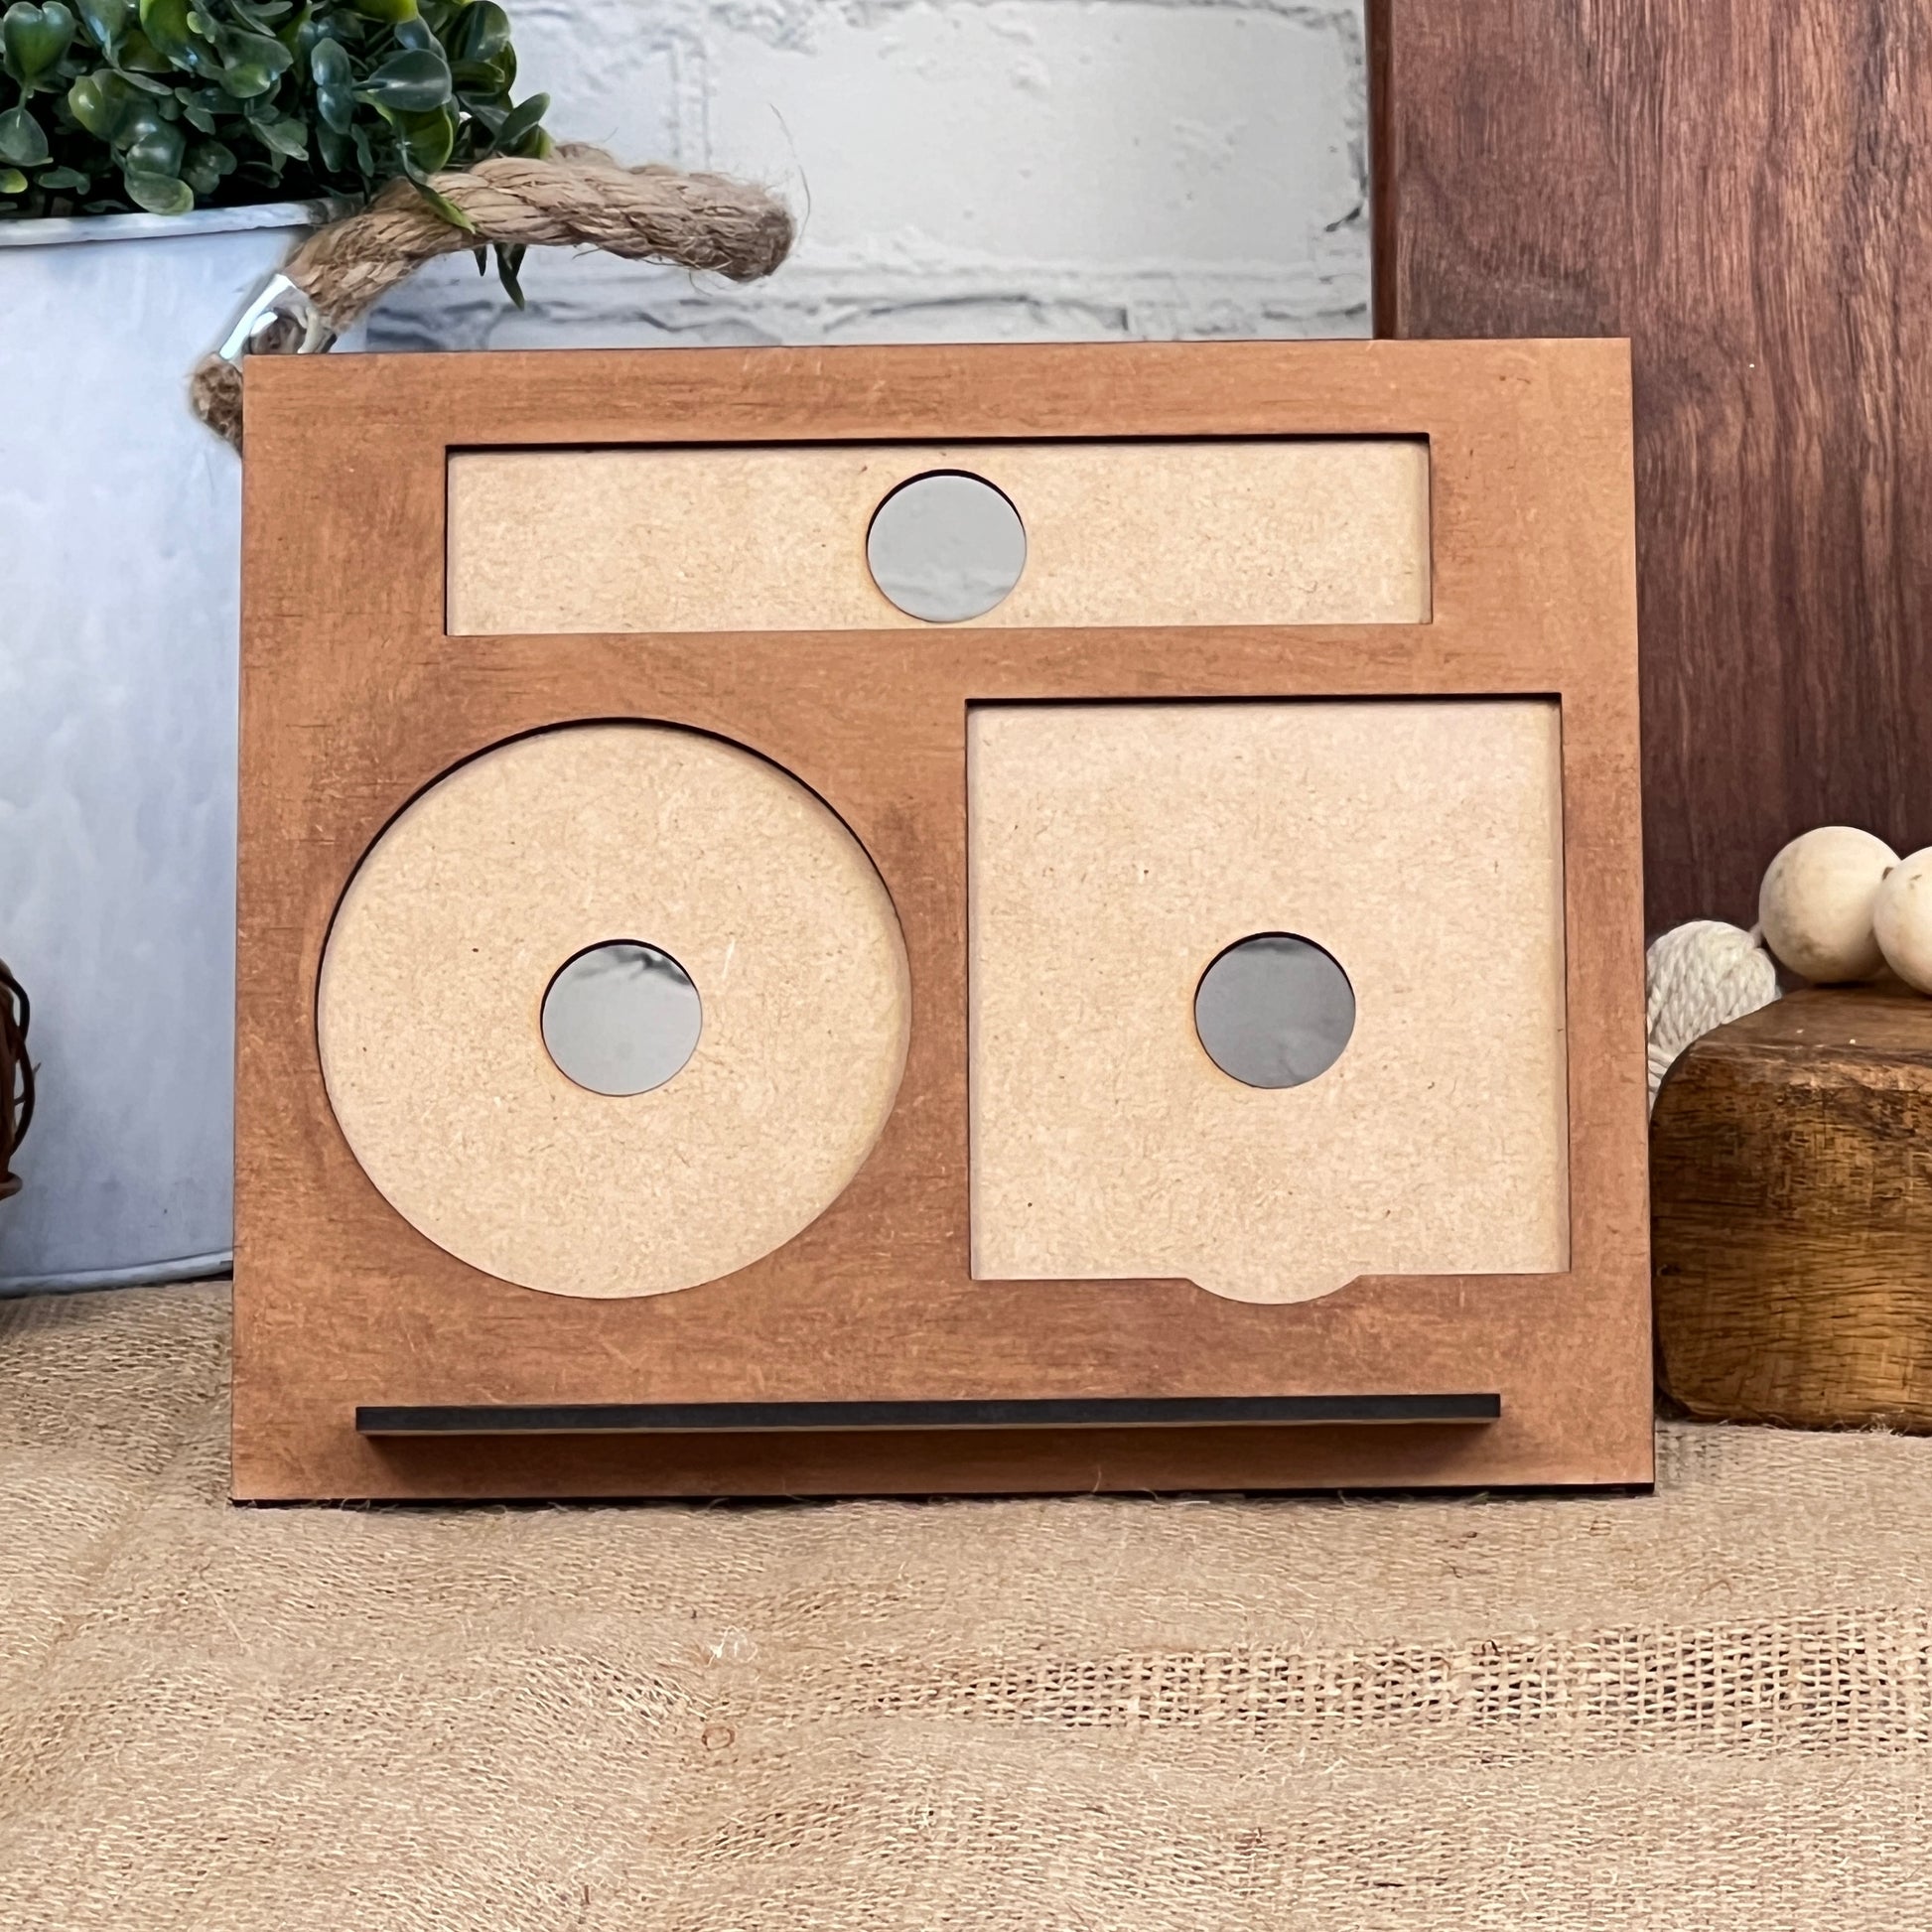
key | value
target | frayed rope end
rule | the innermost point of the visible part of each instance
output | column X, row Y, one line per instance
column 215, row 390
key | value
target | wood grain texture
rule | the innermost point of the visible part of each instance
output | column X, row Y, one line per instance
column 1791, row 1186
column 1742, row 191
column 354, row 699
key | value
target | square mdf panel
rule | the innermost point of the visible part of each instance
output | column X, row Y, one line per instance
column 1237, row 1013
column 940, row 919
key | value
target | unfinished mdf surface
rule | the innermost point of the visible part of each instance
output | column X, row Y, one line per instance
column 1116, row 851
column 1298, row 531
column 429, row 1017
column 359, row 700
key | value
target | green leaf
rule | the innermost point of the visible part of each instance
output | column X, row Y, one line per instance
column 287, row 137
column 334, row 149
column 207, row 162
column 194, row 114
column 329, row 62
column 32, row 39
column 156, row 151
column 23, row 140
column 427, row 140
column 97, row 101
column 105, row 19
column 411, row 82
column 480, row 55
column 62, row 177
column 166, row 24
column 11, row 181
column 417, row 36
column 446, row 207
column 509, row 264
column 480, row 32
column 139, row 119
column 335, row 83
column 138, row 55
column 486, row 80
column 252, row 64
column 389, row 11
column 158, row 194
column 518, row 123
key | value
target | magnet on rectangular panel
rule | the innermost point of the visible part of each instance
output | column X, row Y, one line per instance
column 1240, row 530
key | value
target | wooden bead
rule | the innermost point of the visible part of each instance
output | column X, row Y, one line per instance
column 1815, row 903
column 1901, row 919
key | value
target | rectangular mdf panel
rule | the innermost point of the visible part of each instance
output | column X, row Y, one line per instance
column 1739, row 188
column 948, row 1194
column 1116, row 851
column 1303, row 530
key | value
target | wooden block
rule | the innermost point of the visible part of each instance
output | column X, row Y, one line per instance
column 1792, row 1213
column 1739, row 188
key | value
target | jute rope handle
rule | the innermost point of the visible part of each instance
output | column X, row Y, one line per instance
column 577, row 196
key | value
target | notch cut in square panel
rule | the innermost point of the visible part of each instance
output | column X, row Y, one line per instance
column 1117, row 851
column 1237, row 530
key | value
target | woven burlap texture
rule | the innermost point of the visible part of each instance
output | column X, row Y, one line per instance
column 1703, row 1709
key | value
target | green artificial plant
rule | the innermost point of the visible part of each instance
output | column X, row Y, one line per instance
column 112, row 106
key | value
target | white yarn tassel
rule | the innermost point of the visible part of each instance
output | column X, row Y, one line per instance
column 1699, row 976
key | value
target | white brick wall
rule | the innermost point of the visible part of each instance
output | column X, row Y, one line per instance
column 967, row 170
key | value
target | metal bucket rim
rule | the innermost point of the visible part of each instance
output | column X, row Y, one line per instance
column 63, row 231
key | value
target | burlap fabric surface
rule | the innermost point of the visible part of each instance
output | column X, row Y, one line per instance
column 1709, row 1709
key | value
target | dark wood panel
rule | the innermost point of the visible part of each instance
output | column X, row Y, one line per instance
column 1745, row 191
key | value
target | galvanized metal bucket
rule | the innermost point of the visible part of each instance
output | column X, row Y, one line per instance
column 119, row 521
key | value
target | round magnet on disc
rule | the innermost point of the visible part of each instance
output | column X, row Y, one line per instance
column 614, row 840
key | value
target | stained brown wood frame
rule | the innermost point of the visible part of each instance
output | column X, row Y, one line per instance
column 353, row 700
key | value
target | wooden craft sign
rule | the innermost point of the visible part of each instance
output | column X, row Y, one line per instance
column 940, row 919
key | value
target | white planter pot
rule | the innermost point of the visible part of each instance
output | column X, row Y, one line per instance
column 119, row 523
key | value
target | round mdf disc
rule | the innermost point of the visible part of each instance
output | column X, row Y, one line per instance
column 429, row 1012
